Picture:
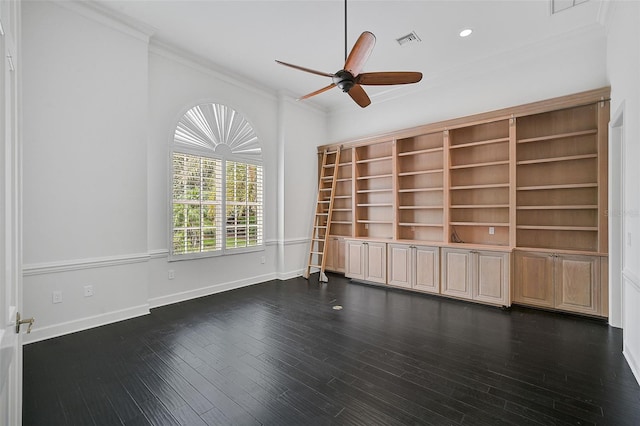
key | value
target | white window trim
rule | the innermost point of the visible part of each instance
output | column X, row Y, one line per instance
column 224, row 157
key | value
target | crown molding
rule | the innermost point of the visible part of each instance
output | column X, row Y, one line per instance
column 170, row 51
column 109, row 17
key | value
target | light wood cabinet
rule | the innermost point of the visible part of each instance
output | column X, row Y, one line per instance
column 336, row 254
column 414, row 267
column 479, row 275
column 366, row 261
column 567, row 282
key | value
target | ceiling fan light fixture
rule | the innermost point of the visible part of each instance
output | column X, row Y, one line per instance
column 466, row 32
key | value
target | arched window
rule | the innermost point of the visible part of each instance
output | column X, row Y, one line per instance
column 217, row 203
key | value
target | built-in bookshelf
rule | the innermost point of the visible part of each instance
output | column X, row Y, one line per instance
column 558, row 180
column 420, row 188
column 500, row 207
column 479, row 184
column 374, row 190
column 342, row 216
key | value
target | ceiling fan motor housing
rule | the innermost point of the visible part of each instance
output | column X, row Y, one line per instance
column 344, row 80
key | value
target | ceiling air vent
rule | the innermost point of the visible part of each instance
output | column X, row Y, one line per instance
column 411, row 38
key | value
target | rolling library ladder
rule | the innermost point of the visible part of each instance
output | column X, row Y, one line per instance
column 324, row 208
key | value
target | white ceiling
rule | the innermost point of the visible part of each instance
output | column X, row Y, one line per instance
column 245, row 37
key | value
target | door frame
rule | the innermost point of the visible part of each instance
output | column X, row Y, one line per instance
column 616, row 217
column 10, row 215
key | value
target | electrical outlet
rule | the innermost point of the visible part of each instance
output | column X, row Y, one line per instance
column 171, row 274
column 263, row 260
column 56, row 297
column 88, row 290
column 492, row 230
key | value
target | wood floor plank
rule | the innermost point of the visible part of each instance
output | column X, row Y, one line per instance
column 278, row 354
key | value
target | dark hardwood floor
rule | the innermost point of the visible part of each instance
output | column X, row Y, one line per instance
column 278, row 354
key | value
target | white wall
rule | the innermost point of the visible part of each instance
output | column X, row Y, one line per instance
column 84, row 171
column 623, row 69
column 100, row 108
column 304, row 132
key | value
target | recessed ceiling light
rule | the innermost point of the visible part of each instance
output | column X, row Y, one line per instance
column 466, row 32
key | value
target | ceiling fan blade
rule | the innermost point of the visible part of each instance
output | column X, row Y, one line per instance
column 358, row 94
column 388, row 78
column 325, row 74
column 360, row 53
column 317, row 92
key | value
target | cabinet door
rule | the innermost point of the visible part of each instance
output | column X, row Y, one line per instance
column 376, row 265
column 339, row 255
column 355, row 260
column 456, row 273
column 400, row 265
column 491, row 277
column 335, row 253
column 534, row 279
column 577, row 283
column 427, row 269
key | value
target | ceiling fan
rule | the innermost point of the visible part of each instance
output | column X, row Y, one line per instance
column 349, row 79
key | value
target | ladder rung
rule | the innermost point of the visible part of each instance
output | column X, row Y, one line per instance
column 315, row 266
column 318, row 239
column 318, row 252
column 320, row 226
column 322, row 214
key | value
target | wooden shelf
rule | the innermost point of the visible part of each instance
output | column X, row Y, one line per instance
column 420, row 172
column 558, row 228
column 572, row 207
column 420, row 151
column 559, row 136
column 373, row 191
column 558, row 186
column 383, row 222
column 430, row 225
column 479, row 143
column 487, row 186
column 557, row 159
column 420, row 207
column 496, row 224
column 474, row 165
column 408, row 190
column 480, row 206
column 374, row 159
column 375, row 205
column 375, row 177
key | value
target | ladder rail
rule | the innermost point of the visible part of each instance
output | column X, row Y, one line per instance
column 322, row 217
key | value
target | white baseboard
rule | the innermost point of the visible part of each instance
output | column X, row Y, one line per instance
column 48, row 332
column 206, row 291
column 635, row 368
column 290, row 274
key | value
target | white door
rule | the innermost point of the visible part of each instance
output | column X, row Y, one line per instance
column 10, row 219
